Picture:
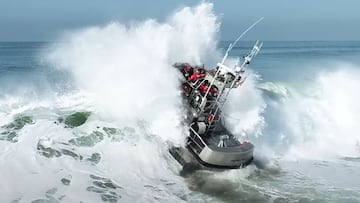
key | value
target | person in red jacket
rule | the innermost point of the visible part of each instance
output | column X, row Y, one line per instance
column 204, row 87
column 214, row 91
column 202, row 73
column 198, row 74
column 188, row 71
column 187, row 89
column 194, row 77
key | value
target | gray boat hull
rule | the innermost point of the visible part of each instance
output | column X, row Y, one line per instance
column 217, row 157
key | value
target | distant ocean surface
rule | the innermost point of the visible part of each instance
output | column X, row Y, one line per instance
column 278, row 61
column 89, row 118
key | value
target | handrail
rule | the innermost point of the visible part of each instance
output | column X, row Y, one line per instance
column 202, row 141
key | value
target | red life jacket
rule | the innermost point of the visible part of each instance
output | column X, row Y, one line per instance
column 194, row 77
column 203, row 89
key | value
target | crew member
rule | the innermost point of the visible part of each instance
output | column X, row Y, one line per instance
column 187, row 89
column 204, row 87
column 198, row 74
column 214, row 91
column 188, row 71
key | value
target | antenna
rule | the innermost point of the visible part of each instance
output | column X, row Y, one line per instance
column 234, row 43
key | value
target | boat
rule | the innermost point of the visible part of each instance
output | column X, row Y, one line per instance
column 209, row 144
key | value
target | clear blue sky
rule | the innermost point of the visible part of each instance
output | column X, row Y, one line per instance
column 41, row 20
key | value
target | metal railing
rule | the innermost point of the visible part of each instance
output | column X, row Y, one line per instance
column 196, row 135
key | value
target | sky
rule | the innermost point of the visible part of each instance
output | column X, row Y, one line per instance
column 45, row 20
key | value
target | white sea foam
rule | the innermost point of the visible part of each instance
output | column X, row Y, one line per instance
column 318, row 119
column 244, row 108
column 128, row 71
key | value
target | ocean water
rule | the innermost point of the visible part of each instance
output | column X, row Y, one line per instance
column 89, row 117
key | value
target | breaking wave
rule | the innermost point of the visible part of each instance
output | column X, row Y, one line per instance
column 127, row 69
column 317, row 119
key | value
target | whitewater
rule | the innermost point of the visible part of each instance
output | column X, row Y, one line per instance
column 90, row 117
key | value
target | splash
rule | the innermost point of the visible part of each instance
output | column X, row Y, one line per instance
column 318, row 119
column 244, row 108
column 127, row 69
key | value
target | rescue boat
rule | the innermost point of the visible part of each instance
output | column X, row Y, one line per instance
column 209, row 143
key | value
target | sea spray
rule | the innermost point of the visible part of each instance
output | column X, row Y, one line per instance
column 127, row 69
column 314, row 120
column 244, row 108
